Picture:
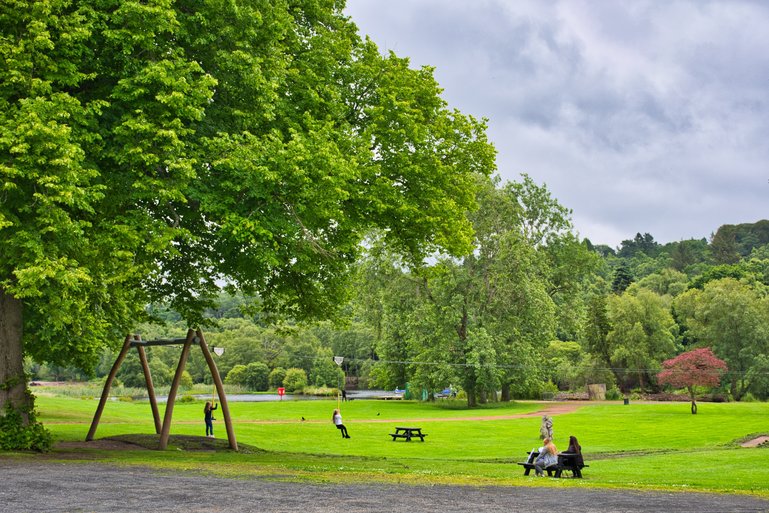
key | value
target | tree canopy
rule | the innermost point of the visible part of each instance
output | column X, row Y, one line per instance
column 151, row 151
column 699, row 367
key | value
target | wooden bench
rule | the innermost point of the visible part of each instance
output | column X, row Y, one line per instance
column 407, row 433
column 566, row 462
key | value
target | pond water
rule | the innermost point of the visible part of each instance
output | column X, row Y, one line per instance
column 259, row 398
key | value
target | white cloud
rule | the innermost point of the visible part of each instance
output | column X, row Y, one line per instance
column 644, row 116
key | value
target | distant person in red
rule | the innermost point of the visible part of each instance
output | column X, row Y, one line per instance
column 208, row 409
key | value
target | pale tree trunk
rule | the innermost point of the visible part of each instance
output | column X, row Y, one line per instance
column 13, row 383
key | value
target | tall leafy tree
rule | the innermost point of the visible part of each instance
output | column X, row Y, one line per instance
column 483, row 320
column 731, row 317
column 150, row 150
column 642, row 334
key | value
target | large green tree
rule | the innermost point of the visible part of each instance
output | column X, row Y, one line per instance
column 642, row 334
column 150, row 150
column 482, row 321
column 732, row 318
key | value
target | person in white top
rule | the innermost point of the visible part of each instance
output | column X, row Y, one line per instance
column 337, row 418
column 548, row 455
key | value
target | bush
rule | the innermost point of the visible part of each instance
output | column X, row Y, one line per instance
column 236, row 376
column 186, row 381
column 16, row 436
column 295, row 380
column 256, row 376
column 276, row 376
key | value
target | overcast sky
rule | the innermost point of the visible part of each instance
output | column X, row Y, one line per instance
column 640, row 116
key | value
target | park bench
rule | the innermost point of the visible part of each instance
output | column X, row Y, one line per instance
column 407, row 433
column 567, row 462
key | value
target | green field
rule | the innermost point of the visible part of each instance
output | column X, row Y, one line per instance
column 638, row 446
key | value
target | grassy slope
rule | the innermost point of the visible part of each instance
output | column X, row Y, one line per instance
column 639, row 446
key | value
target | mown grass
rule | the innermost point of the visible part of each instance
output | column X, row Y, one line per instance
column 637, row 446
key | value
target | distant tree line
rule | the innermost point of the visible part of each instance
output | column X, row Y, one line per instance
column 532, row 310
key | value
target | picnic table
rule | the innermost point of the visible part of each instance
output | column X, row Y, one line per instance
column 567, row 461
column 408, row 433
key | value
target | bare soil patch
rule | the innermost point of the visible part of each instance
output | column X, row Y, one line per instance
column 755, row 442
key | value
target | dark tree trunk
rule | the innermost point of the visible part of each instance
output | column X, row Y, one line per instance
column 506, row 393
column 13, row 383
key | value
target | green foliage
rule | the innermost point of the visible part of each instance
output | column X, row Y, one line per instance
column 642, row 334
column 149, row 153
column 732, row 318
column 295, row 380
column 236, row 376
column 255, row 376
column 622, row 280
column 276, row 377
column 326, row 373
column 20, row 431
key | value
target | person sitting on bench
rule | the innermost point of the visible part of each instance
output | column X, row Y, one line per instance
column 548, row 455
column 575, row 448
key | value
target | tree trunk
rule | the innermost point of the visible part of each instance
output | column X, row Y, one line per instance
column 694, row 401
column 506, row 393
column 13, row 383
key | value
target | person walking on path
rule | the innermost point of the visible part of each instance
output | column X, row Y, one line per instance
column 208, row 410
column 337, row 418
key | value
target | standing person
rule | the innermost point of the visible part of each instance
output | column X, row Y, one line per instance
column 208, row 410
column 548, row 455
column 337, row 418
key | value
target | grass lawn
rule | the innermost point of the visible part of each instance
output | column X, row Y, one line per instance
column 637, row 446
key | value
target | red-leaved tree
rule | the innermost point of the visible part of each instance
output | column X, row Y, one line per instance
column 699, row 367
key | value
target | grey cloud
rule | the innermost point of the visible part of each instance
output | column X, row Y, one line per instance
column 639, row 116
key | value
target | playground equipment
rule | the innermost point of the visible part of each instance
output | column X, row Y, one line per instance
column 164, row 428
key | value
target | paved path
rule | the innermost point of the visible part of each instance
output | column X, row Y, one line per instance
column 45, row 487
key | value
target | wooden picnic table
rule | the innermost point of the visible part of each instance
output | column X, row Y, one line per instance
column 567, row 461
column 408, row 433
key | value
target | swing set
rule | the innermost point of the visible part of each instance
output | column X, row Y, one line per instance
column 164, row 428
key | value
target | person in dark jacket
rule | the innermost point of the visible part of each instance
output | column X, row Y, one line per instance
column 575, row 448
column 208, row 410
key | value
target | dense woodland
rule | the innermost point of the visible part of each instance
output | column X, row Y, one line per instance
column 534, row 310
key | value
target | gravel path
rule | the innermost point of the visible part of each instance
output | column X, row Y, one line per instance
column 30, row 487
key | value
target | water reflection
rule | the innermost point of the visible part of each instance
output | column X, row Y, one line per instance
column 259, row 398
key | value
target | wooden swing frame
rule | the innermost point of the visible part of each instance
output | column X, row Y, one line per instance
column 164, row 428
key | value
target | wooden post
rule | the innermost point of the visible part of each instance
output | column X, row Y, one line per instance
column 166, row 429
column 219, row 391
column 150, row 387
column 107, row 385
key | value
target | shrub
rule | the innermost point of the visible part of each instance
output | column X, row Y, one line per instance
column 295, row 380
column 15, row 435
column 276, row 376
column 236, row 376
column 256, row 376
